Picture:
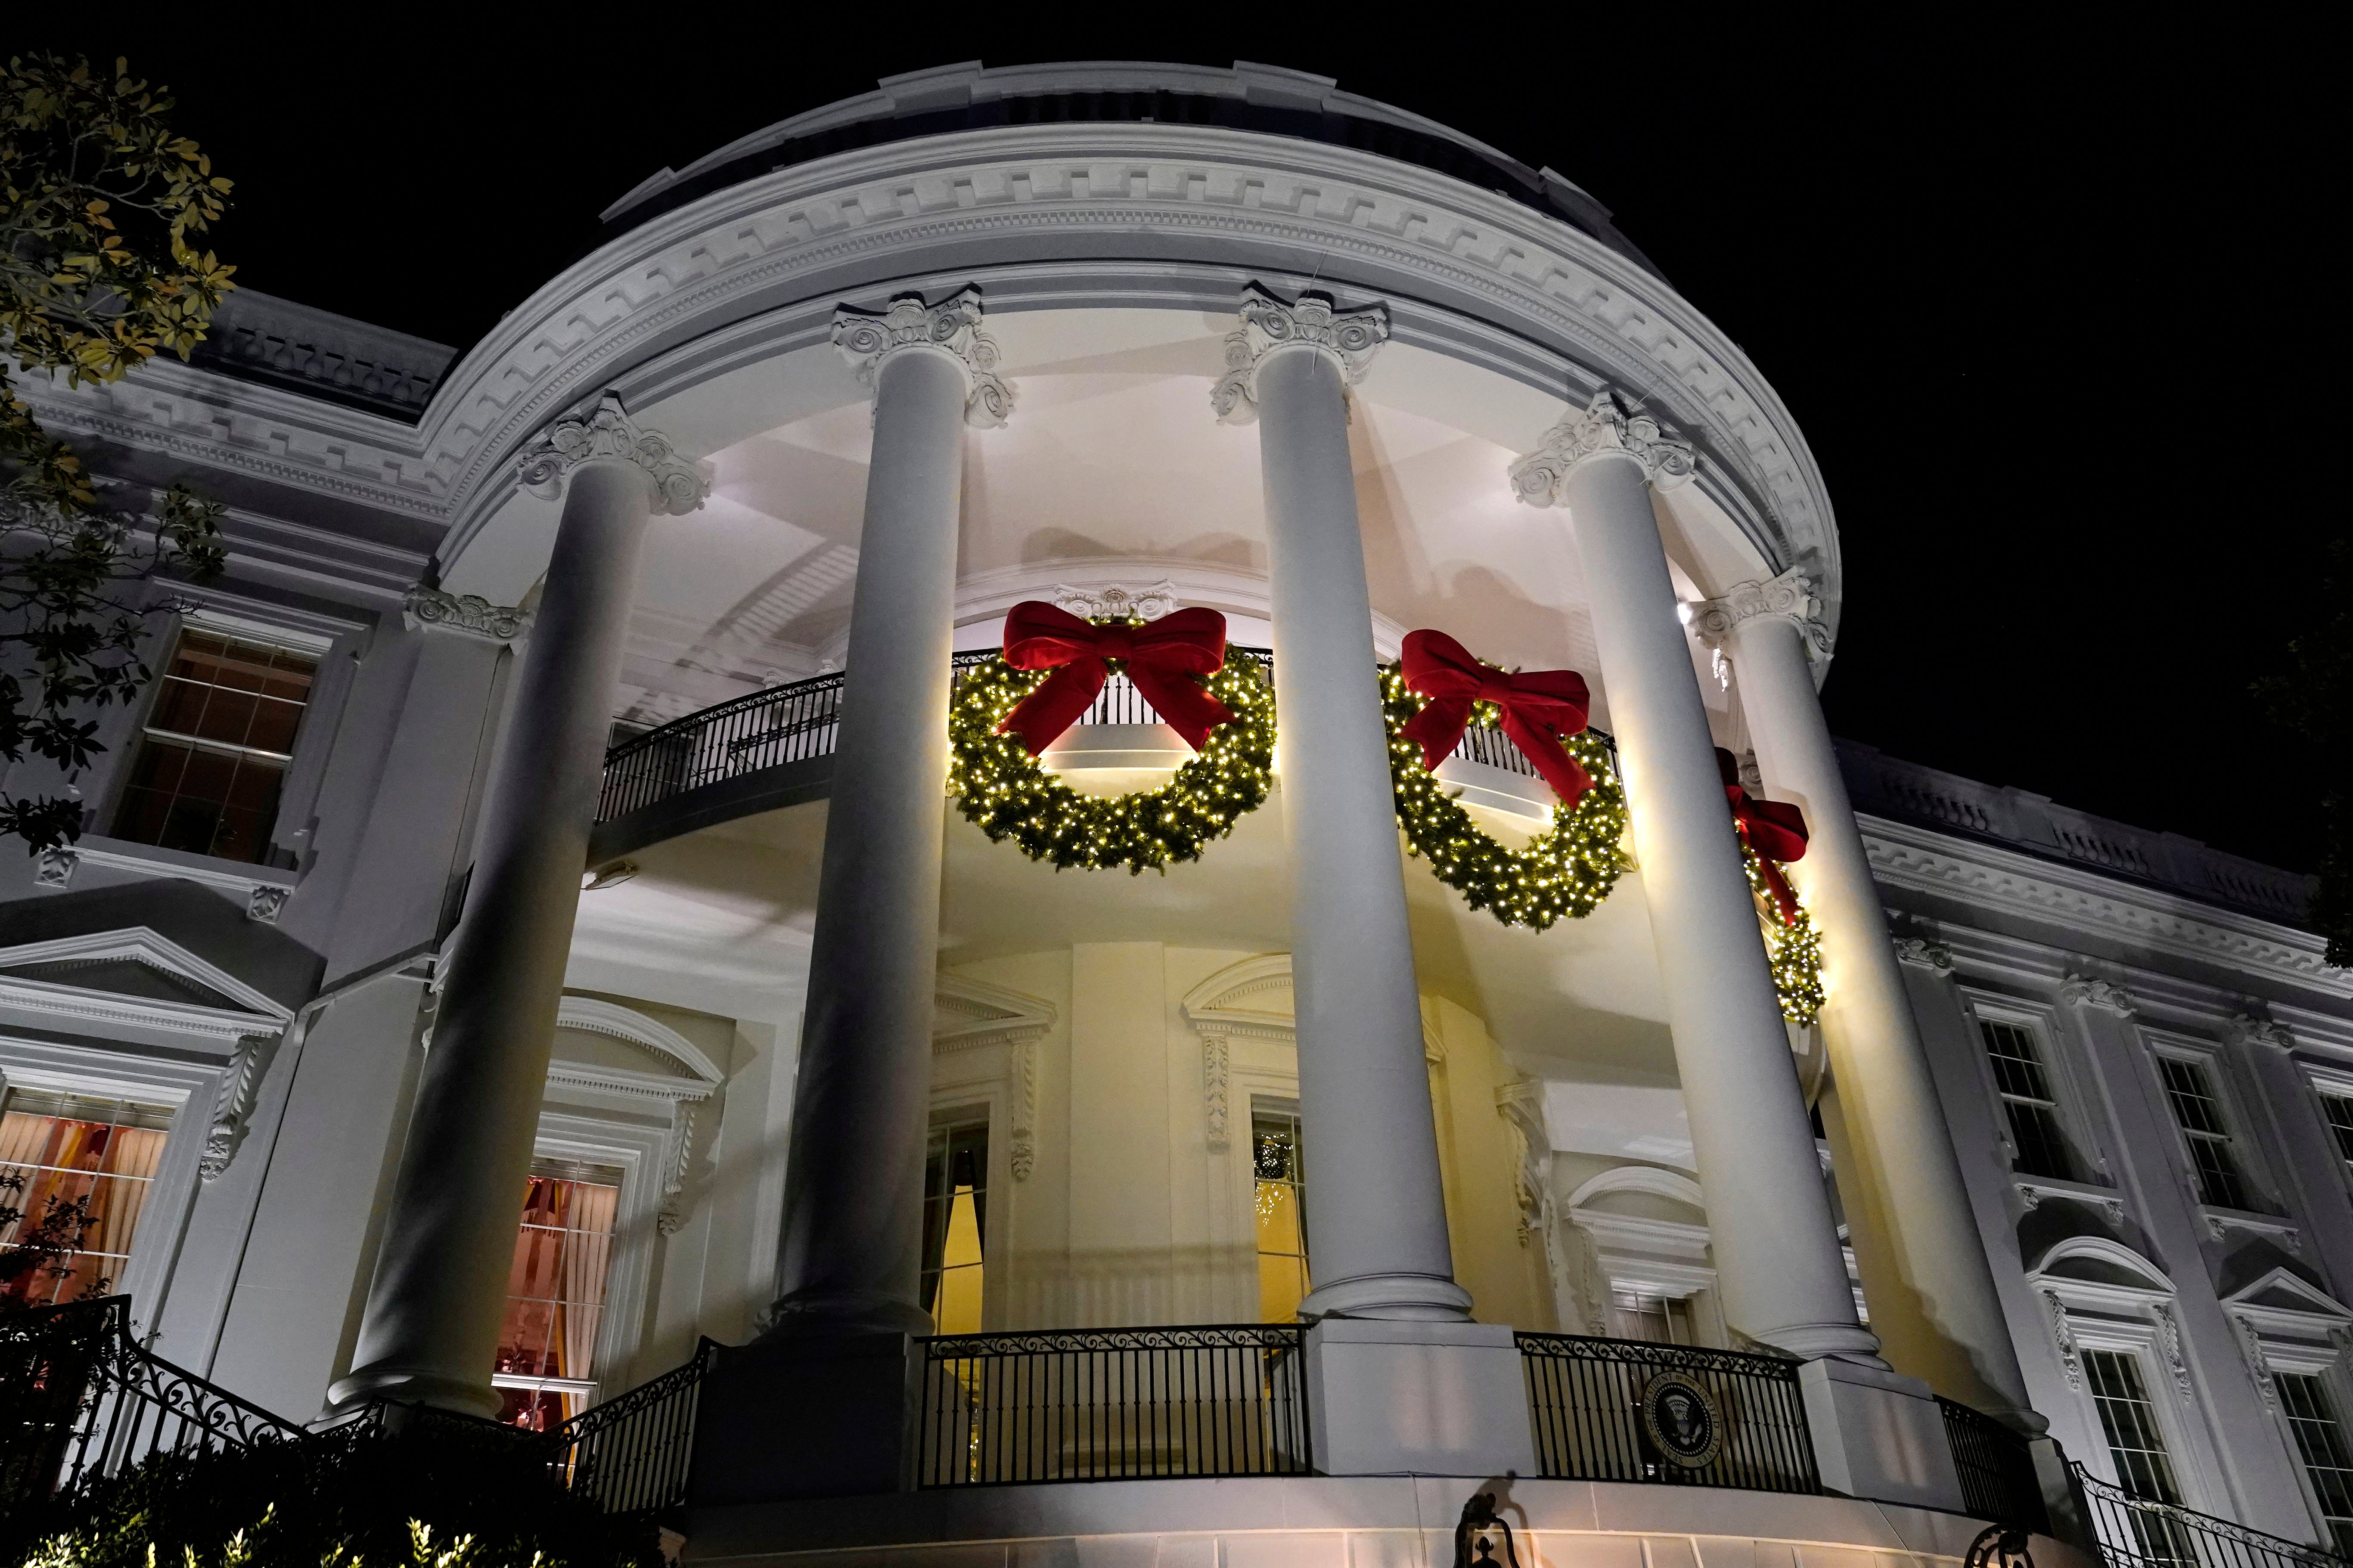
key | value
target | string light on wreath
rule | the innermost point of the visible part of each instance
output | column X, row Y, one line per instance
column 1009, row 794
column 1565, row 871
column 1793, row 948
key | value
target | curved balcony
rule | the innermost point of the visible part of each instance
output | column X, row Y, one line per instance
column 773, row 749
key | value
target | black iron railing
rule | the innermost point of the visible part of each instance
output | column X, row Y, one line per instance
column 80, row 1397
column 2134, row 1533
column 1607, row 1410
column 629, row 1455
column 1997, row 1466
column 798, row 722
column 1115, row 1404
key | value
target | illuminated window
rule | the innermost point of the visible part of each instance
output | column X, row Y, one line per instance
column 78, row 1171
column 2199, row 1112
column 546, row 1367
column 2320, row 1443
column 956, row 1205
column 213, row 758
column 1280, row 1200
column 2026, row 1097
column 1660, row 1319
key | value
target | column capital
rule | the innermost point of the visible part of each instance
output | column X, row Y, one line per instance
column 1790, row 595
column 867, row 337
column 1606, row 426
column 607, row 435
column 476, row 616
column 1351, row 337
column 2081, row 991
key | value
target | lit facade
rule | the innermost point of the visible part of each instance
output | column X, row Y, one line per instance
column 761, row 1041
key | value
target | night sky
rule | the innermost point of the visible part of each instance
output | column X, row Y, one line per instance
column 2050, row 307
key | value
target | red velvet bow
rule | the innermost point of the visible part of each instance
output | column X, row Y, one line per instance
column 1774, row 828
column 1539, row 706
column 1161, row 657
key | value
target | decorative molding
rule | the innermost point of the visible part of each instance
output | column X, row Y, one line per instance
column 1606, row 425
column 250, row 1012
column 144, row 860
column 1654, row 1180
column 2251, row 1346
column 867, row 337
column 2168, row 1335
column 1922, row 953
column 969, row 1014
column 1520, row 1103
column 422, row 607
column 1023, row 1155
column 266, row 902
column 676, row 1157
column 2081, row 991
column 234, row 1101
column 1790, row 596
column 2220, row 1222
column 2071, row 1358
column 1349, row 337
column 607, row 435
column 2033, row 1190
column 2247, row 1029
column 54, row 868
column 596, row 1017
column 1216, row 1060
column 1111, row 599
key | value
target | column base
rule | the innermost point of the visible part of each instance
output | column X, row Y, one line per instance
column 1433, row 1398
column 399, row 1386
column 1879, row 1434
column 1399, row 1297
column 1849, row 1342
column 804, row 1416
column 834, row 1314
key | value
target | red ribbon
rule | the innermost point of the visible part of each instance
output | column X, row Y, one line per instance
column 1161, row 657
column 1774, row 828
column 1539, row 706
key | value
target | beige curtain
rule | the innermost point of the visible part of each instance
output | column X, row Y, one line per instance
column 587, row 1253
column 22, row 1137
column 131, row 1156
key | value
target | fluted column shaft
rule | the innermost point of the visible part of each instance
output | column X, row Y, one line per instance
column 1375, row 1211
column 851, row 1253
column 1782, row 1278
column 431, row 1327
column 1916, row 1239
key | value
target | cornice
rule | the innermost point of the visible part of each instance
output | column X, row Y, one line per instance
column 2080, row 899
column 861, row 220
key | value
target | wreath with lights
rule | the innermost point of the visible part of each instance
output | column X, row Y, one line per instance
column 1566, row 870
column 1006, row 791
column 1793, row 948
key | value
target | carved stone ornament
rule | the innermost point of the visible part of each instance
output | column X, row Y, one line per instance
column 607, row 433
column 867, row 337
column 266, row 902
column 2168, row 1334
column 1606, row 426
column 1791, row 596
column 2070, row 1358
column 2251, row 1345
column 1215, row 1058
column 56, row 867
column 1351, row 337
column 231, row 1104
column 1024, row 1157
column 671, row 1216
column 2084, row 992
column 467, row 613
column 1111, row 599
column 1922, row 953
column 2251, row 1030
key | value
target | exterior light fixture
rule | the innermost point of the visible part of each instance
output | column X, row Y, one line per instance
column 1481, row 1528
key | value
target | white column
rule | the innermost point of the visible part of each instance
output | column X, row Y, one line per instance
column 1376, row 1212
column 850, row 1255
column 1924, row 1265
column 431, row 1330
column 1782, row 1277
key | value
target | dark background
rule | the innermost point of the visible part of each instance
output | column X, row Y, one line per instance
column 2049, row 304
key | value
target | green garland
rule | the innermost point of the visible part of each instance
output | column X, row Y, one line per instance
column 1567, row 870
column 1005, row 791
column 1793, row 950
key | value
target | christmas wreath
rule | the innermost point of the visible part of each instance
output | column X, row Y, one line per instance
column 1010, row 710
column 1429, row 698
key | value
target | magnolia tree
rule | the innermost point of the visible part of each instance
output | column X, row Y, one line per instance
column 99, row 201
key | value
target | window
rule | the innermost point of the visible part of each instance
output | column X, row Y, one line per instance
column 2320, row 1441
column 1279, row 1199
column 956, row 1200
column 1660, row 1319
column 213, row 757
column 2200, row 1113
column 2026, row 1097
column 546, row 1370
column 2129, row 1422
column 79, row 1172
column 2338, row 1108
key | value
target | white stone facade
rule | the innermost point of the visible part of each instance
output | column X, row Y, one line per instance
column 839, row 415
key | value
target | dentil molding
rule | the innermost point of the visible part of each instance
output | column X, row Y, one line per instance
column 607, row 435
column 1349, row 338
column 1606, row 425
column 1790, row 595
column 867, row 337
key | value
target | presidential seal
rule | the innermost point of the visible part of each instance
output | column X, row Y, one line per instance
column 1682, row 1420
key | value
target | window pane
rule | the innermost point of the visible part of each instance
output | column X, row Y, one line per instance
column 1279, row 1198
column 557, row 1285
column 2025, row 1088
column 2339, row 1111
column 219, row 798
column 2200, row 1113
column 2128, row 1420
column 2320, row 1443
column 956, row 1220
column 79, row 1170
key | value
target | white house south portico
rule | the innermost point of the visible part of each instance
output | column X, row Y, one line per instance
column 1402, row 1125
